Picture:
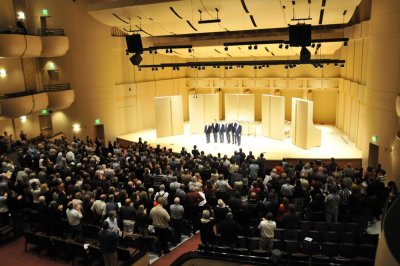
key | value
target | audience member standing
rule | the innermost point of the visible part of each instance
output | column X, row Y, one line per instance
column 229, row 230
column 160, row 218
column 108, row 240
column 332, row 202
column 207, row 234
column 267, row 228
column 177, row 212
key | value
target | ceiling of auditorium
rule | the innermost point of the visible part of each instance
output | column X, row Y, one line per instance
column 181, row 18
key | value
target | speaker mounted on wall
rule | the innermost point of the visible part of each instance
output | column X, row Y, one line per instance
column 134, row 43
column 300, row 35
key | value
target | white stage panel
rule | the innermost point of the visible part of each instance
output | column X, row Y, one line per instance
column 163, row 116
column 177, row 115
column 273, row 116
column 239, row 107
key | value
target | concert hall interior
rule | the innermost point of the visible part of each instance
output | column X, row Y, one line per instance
column 305, row 79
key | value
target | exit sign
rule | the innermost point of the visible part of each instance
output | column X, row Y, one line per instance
column 45, row 12
column 374, row 138
column 97, row 122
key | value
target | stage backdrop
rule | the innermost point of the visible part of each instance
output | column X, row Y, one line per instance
column 203, row 109
column 273, row 116
column 169, row 115
column 239, row 107
column 303, row 132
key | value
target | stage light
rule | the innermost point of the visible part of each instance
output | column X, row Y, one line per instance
column 226, row 48
column 136, row 59
column 259, row 67
column 318, row 45
column 155, row 52
column 313, row 45
column 345, row 43
column 255, row 47
column 189, row 50
column 336, row 64
column 166, row 51
column 280, row 46
column 203, row 68
column 255, row 67
column 342, row 65
column 230, row 67
column 286, row 67
column 170, row 51
column 150, row 51
column 250, row 47
column 21, row 15
column 287, row 46
column 23, row 119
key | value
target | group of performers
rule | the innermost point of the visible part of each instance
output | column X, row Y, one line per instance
column 219, row 129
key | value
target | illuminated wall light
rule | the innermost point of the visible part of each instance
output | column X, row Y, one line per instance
column 51, row 65
column 23, row 119
column 44, row 112
column 3, row 73
column 45, row 12
column 20, row 15
column 76, row 127
column 97, row 121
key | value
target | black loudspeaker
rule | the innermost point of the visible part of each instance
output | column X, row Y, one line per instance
column 305, row 55
column 136, row 59
column 134, row 43
column 300, row 35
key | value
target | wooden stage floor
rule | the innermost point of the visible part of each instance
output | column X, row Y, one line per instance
column 334, row 143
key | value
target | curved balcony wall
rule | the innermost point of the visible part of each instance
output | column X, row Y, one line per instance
column 53, row 46
column 19, row 45
column 18, row 106
column 60, row 99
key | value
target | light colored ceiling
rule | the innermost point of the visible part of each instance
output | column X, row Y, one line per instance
column 156, row 18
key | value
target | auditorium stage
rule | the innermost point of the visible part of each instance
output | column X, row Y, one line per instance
column 334, row 143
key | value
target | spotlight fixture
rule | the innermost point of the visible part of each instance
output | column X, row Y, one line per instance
column 318, row 45
column 226, row 48
column 170, row 51
column 280, row 46
column 155, row 52
column 255, row 67
column 150, row 51
column 189, row 50
column 230, row 67
column 313, row 45
column 136, row 59
column 259, row 67
column 166, row 51
column 139, row 69
column 286, row 66
column 255, row 47
column 345, row 43
column 203, row 68
column 250, row 47
column 342, row 65
column 287, row 46
column 336, row 64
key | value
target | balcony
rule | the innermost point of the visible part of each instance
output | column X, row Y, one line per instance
column 19, row 45
column 54, row 97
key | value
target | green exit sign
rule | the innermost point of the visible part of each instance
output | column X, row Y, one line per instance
column 44, row 112
column 97, row 121
column 374, row 138
column 45, row 12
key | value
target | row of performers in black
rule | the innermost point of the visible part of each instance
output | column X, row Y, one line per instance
column 219, row 129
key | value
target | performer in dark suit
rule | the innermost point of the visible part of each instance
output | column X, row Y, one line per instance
column 234, row 125
column 228, row 132
column 215, row 130
column 238, row 133
column 207, row 131
column 222, row 131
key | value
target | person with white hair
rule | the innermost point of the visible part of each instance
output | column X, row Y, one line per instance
column 220, row 211
column 207, row 234
column 162, row 193
column 177, row 211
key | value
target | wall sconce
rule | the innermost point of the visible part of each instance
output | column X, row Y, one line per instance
column 23, row 119
column 3, row 73
column 76, row 127
column 20, row 15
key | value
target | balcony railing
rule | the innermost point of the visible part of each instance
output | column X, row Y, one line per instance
column 19, row 94
column 57, row 87
column 51, row 32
